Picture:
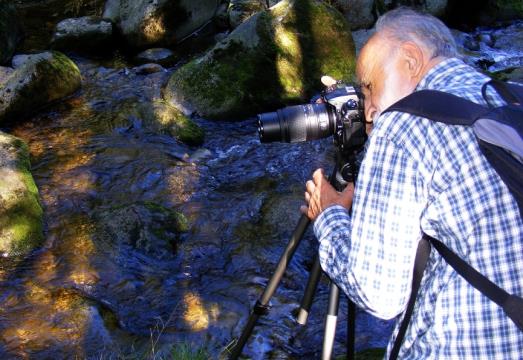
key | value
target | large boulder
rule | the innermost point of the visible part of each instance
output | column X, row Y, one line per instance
column 20, row 210
column 159, row 23
column 41, row 79
column 10, row 31
column 275, row 58
column 88, row 34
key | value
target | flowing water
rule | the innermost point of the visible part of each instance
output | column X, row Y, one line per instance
column 122, row 274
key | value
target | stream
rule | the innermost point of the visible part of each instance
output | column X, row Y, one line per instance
column 123, row 275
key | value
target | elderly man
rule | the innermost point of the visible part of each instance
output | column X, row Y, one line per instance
column 419, row 176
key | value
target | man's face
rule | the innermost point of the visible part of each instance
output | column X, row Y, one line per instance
column 382, row 75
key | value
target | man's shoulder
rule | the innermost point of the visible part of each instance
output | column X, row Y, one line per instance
column 455, row 77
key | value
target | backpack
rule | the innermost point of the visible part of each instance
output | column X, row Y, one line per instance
column 499, row 132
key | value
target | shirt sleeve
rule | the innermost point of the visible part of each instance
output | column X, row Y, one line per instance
column 371, row 255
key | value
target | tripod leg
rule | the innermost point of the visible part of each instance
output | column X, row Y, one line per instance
column 310, row 290
column 330, row 322
column 261, row 307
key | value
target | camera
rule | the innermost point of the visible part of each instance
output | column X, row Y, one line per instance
column 337, row 112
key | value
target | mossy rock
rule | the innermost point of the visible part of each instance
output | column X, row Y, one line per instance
column 161, row 117
column 20, row 210
column 42, row 79
column 273, row 59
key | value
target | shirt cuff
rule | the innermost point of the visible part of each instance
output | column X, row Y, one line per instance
column 329, row 219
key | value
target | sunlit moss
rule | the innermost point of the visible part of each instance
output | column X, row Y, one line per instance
column 21, row 227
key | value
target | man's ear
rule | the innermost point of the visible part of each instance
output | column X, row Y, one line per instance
column 414, row 58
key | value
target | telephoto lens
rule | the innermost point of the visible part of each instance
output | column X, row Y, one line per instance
column 297, row 123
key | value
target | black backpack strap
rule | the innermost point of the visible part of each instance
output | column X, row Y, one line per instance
column 511, row 304
column 420, row 263
column 439, row 106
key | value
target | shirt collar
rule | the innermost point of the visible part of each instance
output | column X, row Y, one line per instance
column 439, row 74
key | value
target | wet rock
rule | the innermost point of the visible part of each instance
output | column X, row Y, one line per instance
column 18, row 60
column 88, row 34
column 240, row 10
column 159, row 116
column 20, row 210
column 164, row 57
column 10, row 31
column 41, row 79
column 146, row 227
column 147, row 69
column 5, row 72
column 471, row 44
column 275, row 58
column 145, row 23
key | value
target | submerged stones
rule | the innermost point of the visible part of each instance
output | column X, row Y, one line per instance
column 146, row 227
column 275, row 58
column 20, row 210
column 161, row 56
column 40, row 80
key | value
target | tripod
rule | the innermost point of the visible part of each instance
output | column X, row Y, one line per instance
column 343, row 170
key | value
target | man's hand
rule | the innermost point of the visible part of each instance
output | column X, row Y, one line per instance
column 319, row 195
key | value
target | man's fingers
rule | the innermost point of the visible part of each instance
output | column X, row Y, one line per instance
column 310, row 186
column 318, row 176
column 307, row 197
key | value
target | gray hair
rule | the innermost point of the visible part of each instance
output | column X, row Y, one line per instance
column 404, row 24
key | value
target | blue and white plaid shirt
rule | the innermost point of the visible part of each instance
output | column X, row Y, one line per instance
column 422, row 176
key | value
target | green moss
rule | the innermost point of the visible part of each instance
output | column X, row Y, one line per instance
column 176, row 218
column 189, row 132
column 22, row 221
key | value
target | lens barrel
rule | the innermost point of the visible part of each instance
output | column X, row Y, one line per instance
column 296, row 123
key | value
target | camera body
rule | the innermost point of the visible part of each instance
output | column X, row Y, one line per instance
column 337, row 112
